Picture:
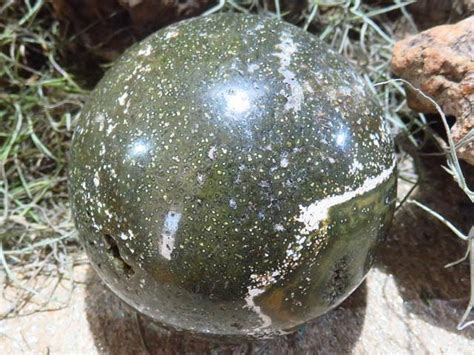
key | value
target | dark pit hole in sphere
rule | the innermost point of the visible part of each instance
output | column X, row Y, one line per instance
column 337, row 283
column 236, row 325
column 113, row 249
column 196, row 288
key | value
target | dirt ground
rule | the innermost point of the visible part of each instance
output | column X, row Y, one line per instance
column 409, row 302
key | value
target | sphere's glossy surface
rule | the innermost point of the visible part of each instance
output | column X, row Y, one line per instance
column 231, row 175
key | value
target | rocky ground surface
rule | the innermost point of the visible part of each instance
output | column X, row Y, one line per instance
column 409, row 302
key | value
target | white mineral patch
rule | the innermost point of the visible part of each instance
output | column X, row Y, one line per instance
column 212, row 153
column 96, row 179
column 375, row 139
column 172, row 34
column 200, row 178
column 168, row 233
column 252, row 293
column 100, row 120
column 252, row 67
column 355, row 166
column 107, row 212
column 278, row 227
column 110, row 128
column 311, row 216
column 284, row 162
column 145, row 51
column 287, row 48
column 121, row 99
column 308, row 87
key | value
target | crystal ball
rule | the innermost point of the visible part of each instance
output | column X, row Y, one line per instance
column 231, row 175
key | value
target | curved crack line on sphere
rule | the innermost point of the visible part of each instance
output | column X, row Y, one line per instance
column 311, row 216
column 287, row 49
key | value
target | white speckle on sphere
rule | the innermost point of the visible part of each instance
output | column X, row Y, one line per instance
column 212, row 154
column 172, row 34
column 252, row 67
column 96, row 179
column 121, row 99
column 232, row 203
column 278, row 227
column 145, row 51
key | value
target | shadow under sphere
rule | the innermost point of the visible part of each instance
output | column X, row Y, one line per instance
column 419, row 246
column 118, row 329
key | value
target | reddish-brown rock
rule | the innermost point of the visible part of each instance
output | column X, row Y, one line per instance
column 440, row 62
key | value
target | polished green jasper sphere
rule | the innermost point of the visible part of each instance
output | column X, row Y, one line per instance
column 231, row 175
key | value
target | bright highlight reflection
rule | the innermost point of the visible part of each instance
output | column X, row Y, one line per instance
column 138, row 148
column 237, row 101
column 341, row 139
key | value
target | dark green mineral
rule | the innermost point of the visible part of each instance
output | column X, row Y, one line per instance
column 231, row 175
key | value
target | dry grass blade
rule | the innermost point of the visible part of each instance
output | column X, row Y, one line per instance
column 470, row 244
column 455, row 170
column 37, row 104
